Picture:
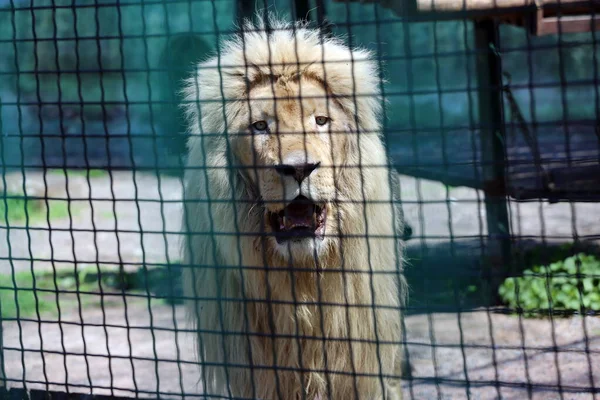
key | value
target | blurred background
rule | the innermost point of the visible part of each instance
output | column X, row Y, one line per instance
column 116, row 70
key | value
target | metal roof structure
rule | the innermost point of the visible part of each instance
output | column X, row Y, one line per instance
column 540, row 17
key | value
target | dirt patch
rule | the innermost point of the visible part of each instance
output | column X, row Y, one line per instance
column 502, row 356
column 123, row 218
column 140, row 346
column 117, row 352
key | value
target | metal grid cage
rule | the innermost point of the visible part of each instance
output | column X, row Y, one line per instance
column 488, row 124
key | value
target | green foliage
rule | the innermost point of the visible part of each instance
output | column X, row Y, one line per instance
column 572, row 284
column 17, row 297
column 16, row 210
column 24, row 294
column 92, row 173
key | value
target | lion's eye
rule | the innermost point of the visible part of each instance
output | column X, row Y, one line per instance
column 260, row 125
column 321, row 120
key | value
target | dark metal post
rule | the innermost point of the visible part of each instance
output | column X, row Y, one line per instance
column 321, row 12
column 245, row 9
column 302, row 12
column 491, row 119
column 301, row 9
column 2, row 377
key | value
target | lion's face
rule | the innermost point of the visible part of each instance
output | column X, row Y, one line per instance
column 290, row 153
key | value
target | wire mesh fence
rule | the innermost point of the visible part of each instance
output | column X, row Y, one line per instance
column 393, row 200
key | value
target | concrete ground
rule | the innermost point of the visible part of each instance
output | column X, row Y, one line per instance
column 116, row 351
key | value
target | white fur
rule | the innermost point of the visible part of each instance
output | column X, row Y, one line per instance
column 222, row 201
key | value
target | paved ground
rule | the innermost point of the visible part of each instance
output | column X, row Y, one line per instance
column 140, row 222
column 139, row 238
column 456, row 357
column 148, row 219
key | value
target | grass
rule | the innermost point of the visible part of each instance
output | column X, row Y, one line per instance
column 107, row 214
column 93, row 173
column 17, row 297
column 66, row 289
column 16, row 209
column 52, row 292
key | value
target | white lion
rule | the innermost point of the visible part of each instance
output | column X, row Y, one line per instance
column 293, row 247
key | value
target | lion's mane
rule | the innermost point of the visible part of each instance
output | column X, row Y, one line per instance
column 328, row 332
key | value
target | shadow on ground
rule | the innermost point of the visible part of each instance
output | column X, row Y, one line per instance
column 461, row 275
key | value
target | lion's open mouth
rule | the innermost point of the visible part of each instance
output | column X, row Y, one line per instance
column 300, row 219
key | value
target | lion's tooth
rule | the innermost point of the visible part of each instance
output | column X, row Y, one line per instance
column 287, row 223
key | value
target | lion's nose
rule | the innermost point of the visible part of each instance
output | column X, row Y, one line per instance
column 298, row 171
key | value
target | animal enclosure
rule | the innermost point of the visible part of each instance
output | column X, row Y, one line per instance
column 490, row 126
